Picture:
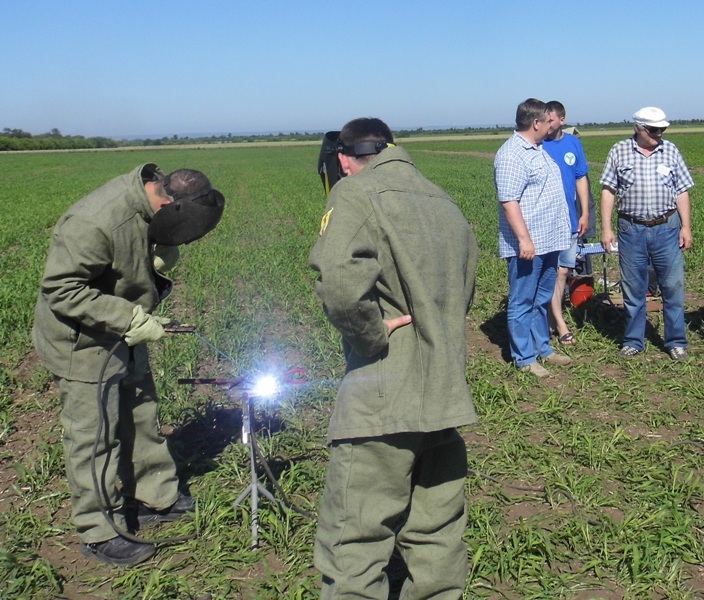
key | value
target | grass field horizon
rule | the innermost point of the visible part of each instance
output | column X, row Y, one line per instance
column 401, row 140
column 586, row 485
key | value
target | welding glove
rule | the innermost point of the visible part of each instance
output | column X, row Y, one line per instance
column 165, row 258
column 145, row 327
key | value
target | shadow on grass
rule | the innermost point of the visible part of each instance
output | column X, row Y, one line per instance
column 600, row 313
column 606, row 318
column 695, row 321
column 206, row 432
column 496, row 331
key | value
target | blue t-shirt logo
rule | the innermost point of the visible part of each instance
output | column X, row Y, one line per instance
column 570, row 158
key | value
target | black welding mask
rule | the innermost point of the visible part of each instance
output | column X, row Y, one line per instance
column 329, row 167
column 188, row 218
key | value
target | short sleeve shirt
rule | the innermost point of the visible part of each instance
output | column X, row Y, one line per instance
column 568, row 153
column 526, row 173
column 647, row 186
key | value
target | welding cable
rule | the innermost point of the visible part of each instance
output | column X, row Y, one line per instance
column 100, row 487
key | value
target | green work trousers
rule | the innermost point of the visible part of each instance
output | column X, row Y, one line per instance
column 404, row 490
column 130, row 448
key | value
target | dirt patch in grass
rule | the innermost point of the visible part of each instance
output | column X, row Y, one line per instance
column 35, row 422
column 64, row 554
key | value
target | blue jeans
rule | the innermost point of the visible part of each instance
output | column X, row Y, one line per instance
column 531, row 284
column 637, row 245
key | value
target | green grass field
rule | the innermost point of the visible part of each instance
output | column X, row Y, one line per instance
column 584, row 485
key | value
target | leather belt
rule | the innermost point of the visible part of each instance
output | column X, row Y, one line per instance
column 650, row 222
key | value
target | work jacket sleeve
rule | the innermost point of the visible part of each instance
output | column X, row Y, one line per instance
column 345, row 257
column 77, row 273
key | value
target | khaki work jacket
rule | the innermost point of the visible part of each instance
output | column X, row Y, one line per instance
column 393, row 243
column 98, row 269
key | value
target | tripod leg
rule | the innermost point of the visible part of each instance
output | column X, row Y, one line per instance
column 254, row 485
column 243, row 495
column 267, row 494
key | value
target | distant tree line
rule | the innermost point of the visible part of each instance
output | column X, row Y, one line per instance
column 500, row 129
column 17, row 139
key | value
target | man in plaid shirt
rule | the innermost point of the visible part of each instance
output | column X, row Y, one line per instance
column 534, row 226
column 652, row 181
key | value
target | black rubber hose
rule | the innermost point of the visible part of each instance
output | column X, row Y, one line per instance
column 99, row 486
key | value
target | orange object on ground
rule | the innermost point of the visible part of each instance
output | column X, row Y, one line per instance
column 581, row 289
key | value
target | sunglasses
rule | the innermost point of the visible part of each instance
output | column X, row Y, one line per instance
column 654, row 130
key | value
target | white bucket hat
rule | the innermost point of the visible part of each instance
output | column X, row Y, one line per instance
column 651, row 117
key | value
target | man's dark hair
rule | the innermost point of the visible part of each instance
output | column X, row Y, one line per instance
column 557, row 107
column 528, row 111
column 185, row 183
column 365, row 130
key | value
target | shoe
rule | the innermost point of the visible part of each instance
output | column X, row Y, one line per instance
column 628, row 352
column 118, row 551
column 568, row 339
column 557, row 359
column 183, row 505
column 678, row 353
column 535, row 369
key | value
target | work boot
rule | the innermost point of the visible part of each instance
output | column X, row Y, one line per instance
column 118, row 551
column 148, row 516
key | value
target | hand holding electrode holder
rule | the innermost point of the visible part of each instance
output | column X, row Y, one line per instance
column 145, row 327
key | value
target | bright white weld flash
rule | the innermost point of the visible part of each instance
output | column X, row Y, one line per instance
column 265, row 387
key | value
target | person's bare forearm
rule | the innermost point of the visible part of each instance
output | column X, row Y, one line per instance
column 608, row 198
column 583, row 198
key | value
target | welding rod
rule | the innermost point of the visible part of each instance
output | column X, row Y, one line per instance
column 211, row 381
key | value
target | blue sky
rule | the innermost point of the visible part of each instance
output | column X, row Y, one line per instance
column 109, row 68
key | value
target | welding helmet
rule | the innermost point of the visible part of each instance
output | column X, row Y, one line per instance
column 189, row 217
column 329, row 167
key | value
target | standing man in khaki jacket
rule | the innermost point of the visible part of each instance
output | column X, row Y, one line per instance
column 396, row 261
column 102, row 280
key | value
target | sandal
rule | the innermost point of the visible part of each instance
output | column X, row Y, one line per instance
column 568, row 339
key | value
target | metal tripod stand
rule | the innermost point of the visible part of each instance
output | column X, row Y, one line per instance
column 290, row 377
column 255, row 487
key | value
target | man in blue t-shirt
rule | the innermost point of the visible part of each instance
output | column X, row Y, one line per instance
column 566, row 150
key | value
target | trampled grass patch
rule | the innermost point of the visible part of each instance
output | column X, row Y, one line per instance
column 586, row 485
